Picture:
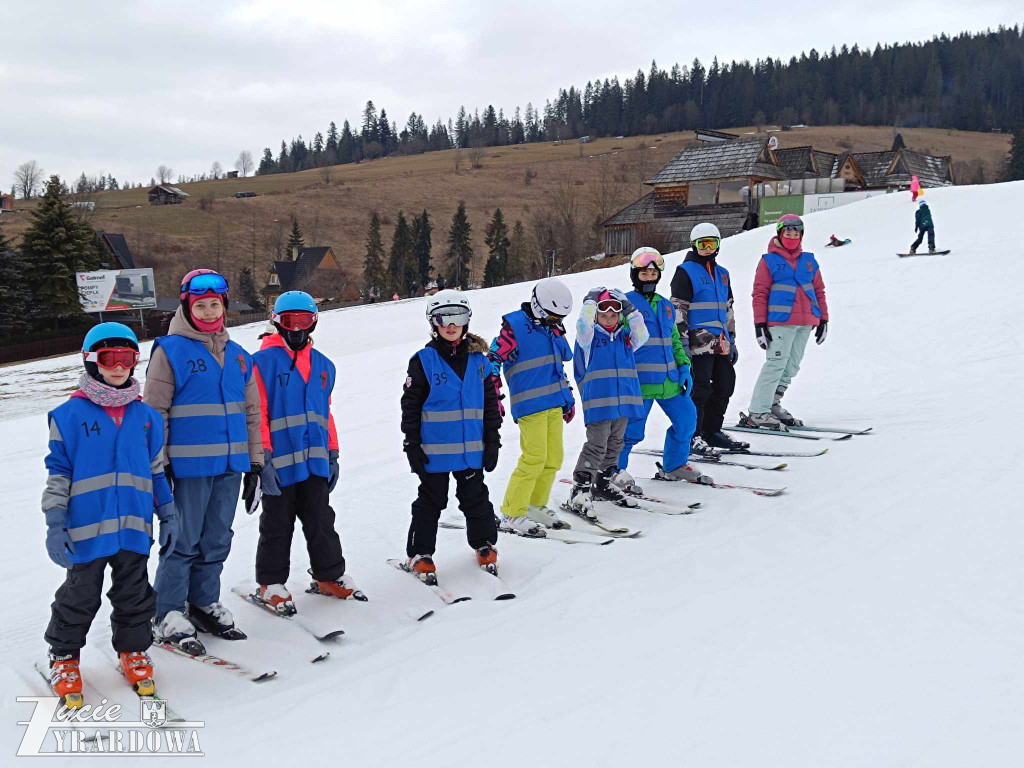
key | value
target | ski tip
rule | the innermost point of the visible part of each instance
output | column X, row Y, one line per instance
column 426, row 615
column 506, row 596
column 318, row 659
column 461, row 599
column 266, row 676
column 331, row 635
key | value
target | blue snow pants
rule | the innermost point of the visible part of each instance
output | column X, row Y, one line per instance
column 191, row 573
column 683, row 415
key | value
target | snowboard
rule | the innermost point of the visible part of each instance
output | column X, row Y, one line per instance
column 923, row 253
column 840, row 244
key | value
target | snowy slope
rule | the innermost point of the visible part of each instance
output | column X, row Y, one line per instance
column 872, row 615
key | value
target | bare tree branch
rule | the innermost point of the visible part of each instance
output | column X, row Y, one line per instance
column 244, row 164
column 27, row 178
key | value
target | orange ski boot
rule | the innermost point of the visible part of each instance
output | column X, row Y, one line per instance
column 66, row 680
column 422, row 566
column 342, row 588
column 487, row 558
column 277, row 597
column 137, row 668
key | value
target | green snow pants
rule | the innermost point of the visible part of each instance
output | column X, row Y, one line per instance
column 782, row 362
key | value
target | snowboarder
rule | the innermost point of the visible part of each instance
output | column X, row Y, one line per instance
column 835, row 242
column 609, row 332
column 922, row 224
column 451, row 422
column 789, row 302
column 703, row 298
column 532, row 348
column 106, row 476
column 663, row 369
column 300, row 456
column 201, row 383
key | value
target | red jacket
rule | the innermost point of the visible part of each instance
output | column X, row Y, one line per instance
column 802, row 312
column 302, row 365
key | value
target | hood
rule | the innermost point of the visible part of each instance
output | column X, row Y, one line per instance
column 180, row 326
column 476, row 344
column 275, row 339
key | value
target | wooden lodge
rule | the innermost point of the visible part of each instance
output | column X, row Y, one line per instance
column 162, row 194
column 313, row 270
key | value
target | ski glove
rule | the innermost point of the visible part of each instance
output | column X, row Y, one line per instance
column 734, row 354
column 685, row 379
column 594, row 295
column 627, row 305
column 763, row 335
column 169, row 474
column 58, row 540
column 568, row 413
column 169, row 527
column 491, row 456
column 335, row 471
column 417, row 458
column 821, row 332
column 250, row 482
column 268, row 477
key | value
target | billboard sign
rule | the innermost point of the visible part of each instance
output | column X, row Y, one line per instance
column 110, row 290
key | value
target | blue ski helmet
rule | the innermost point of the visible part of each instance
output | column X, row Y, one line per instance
column 294, row 301
column 295, row 328
column 109, row 332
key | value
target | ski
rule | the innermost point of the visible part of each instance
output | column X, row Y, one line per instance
column 781, row 433
column 837, row 430
column 729, row 486
column 320, row 657
column 295, row 619
column 216, row 661
column 617, row 532
column 730, row 463
column 74, row 725
column 445, row 596
column 502, row 592
column 172, row 716
column 925, row 253
column 654, row 500
column 552, row 535
column 780, row 454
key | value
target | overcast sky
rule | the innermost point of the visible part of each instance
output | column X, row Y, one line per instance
column 121, row 87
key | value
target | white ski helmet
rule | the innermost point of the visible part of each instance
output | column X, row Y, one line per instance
column 704, row 229
column 448, row 306
column 551, row 297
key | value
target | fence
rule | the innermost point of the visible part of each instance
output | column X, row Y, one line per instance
column 262, row 317
column 62, row 345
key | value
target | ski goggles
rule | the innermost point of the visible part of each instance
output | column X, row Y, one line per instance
column 295, row 320
column 649, row 259
column 451, row 316
column 796, row 224
column 204, row 283
column 609, row 305
column 707, row 243
column 111, row 357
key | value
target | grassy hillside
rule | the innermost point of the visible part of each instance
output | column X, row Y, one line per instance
column 333, row 205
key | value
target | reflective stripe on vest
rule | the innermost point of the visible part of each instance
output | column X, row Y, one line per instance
column 786, row 282
column 709, row 307
column 452, row 417
column 298, row 413
column 207, row 431
column 610, row 385
column 536, row 380
column 656, row 360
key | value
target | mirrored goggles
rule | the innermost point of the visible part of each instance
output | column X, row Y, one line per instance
column 609, row 305
column 792, row 230
column 201, row 284
column 451, row 316
column 649, row 259
column 295, row 320
column 111, row 357
column 706, row 243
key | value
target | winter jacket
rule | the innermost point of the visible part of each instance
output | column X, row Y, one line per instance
column 700, row 341
column 659, row 360
column 108, row 477
column 803, row 312
column 452, row 417
column 923, row 218
column 604, row 366
column 417, row 388
column 297, row 425
column 160, row 382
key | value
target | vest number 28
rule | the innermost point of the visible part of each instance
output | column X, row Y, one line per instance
column 89, row 428
column 196, row 365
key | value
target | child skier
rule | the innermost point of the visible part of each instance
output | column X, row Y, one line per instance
column 300, row 457
column 608, row 333
column 202, row 383
column 922, row 224
column 106, row 475
column 532, row 347
column 789, row 302
column 663, row 368
column 451, row 421
column 702, row 296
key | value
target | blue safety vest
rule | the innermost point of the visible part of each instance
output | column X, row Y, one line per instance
column 110, row 507
column 207, row 433
column 709, row 308
column 299, row 413
column 536, row 380
column 655, row 360
column 452, row 419
column 786, row 282
column 608, row 383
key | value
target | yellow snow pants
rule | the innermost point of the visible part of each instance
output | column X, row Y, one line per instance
column 540, row 439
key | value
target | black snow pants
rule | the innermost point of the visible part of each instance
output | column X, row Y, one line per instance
column 78, row 599
column 309, row 501
column 714, row 380
column 474, row 502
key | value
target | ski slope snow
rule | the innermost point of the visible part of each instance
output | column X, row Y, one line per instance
column 872, row 615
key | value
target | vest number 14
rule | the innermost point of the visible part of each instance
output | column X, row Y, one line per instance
column 95, row 427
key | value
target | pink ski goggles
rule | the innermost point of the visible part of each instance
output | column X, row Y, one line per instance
column 648, row 259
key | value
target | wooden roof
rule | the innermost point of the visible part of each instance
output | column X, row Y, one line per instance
column 168, row 190
column 714, row 135
column 826, row 164
column 119, row 247
column 722, row 160
column 650, row 209
column 930, row 171
column 295, row 275
column 795, row 162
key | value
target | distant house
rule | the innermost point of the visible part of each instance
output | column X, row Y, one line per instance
column 118, row 255
column 6, row 203
column 162, row 194
column 231, row 175
column 314, row 270
column 715, row 136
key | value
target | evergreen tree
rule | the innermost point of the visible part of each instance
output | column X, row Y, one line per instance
column 496, row 239
column 460, row 248
column 518, row 256
column 373, row 264
column 370, row 126
column 402, row 264
column 295, row 240
column 384, row 133
column 421, row 231
column 15, row 300
column 247, row 290
column 346, row 145
column 1015, row 160
column 267, row 163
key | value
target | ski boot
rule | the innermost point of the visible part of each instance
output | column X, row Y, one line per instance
column 216, row 620
column 277, row 597
column 683, row 472
column 605, row 490
column 724, row 441
column 422, row 566
column 137, row 668
column 175, row 629
column 765, row 420
column 487, row 559
column 699, row 446
column 581, row 498
column 626, row 483
column 781, row 413
column 522, row 526
column 342, row 588
column 66, row 678
column 545, row 516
